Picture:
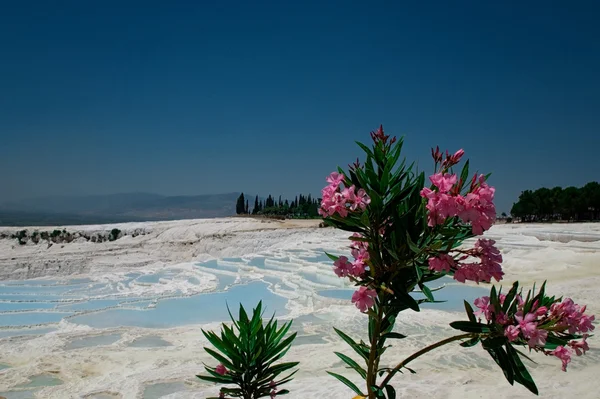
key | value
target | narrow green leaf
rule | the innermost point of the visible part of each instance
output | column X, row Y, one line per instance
column 332, row 257
column 350, row 362
column 346, row 382
column 394, row 335
column 427, row 292
column 357, row 348
column 469, row 326
column 470, row 313
column 464, row 174
column 472, row 342
column 522, row 376
column 365, row 149
column 510, row 297
column 505, row 364
column 496, row 342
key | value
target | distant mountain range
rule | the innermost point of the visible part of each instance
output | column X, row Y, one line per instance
column 130, row 207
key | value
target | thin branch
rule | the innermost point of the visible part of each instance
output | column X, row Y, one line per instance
column 422, row 352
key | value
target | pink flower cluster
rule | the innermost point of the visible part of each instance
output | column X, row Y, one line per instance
column 477, row 207
column 343, row 267
column 341, row 201
column 570, row 316
column 534, row 327
column 364, row 298
column 487, row 268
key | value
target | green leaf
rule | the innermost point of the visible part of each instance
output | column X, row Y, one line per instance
column 464, row 174
column 332, row 257
column 214, row 379
column 394, row 335
column 346, row 382
column 501, row 358
column 494, row 298
column 366, row 149
column 427, row 292
column 469, row 326
column 413, row 247
column 510, row 297
column 350, row 362
column 495, row 342
column 470, row 313
column 357, row 348
column 226, row 362
column 522, row 376
column 403, row 300
column 552, row 342
column 419, row 272
column 391, row 392
column 472, row 342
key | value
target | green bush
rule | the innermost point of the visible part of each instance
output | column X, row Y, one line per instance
column 248, row 352
column 114, row 234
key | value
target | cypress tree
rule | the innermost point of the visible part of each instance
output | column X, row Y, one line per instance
column 239, row 205
column 256, row 206
column 246, row 209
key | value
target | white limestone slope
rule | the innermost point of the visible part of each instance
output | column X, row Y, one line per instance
column 567, row 255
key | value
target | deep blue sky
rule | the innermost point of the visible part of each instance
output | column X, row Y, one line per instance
column 192, row 97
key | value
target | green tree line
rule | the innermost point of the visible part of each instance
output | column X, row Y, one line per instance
column 550, row 204
column 303, row 206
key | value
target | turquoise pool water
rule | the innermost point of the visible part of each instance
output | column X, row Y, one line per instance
column 197, row 309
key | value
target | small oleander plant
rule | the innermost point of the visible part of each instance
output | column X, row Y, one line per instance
column 248, row 353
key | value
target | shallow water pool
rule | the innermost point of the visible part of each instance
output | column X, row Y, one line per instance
column 197, row 309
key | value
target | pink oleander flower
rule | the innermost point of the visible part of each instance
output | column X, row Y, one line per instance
column 358, row 268
column 485, row 307
column 443, row 182
column 489, row 266
column 502, row 318
column 441, row 263
column 585, row 323
column 511, row 332
column 341, row 202
column 570, row 315
column 220, row 369
column 526, row 323
column 361, row 200
column 349, row 195
column 501, row 298
column 361, row 256
column 541, row 311
column 564, row 355
column 478, row 207
column 580, row 347
column 335, row 179
column 537, row 338
column 364, row 298
column 272, row 384
column 273, row 393
column 359, row 244
column 342, row 267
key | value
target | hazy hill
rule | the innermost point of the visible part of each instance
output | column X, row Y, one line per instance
column 114, row 208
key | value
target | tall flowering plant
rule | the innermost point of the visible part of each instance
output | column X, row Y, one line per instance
column 406, row 232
